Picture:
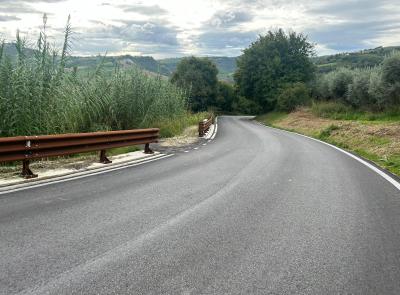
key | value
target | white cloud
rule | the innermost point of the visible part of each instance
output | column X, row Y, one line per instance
column 223, row 27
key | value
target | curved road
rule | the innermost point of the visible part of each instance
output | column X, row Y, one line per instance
column 256, row 211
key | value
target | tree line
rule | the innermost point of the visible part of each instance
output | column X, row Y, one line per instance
column 276, row 72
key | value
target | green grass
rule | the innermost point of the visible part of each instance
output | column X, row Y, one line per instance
column 175, row 126
column 340, row 111
column 327, row 132
column 391, row 163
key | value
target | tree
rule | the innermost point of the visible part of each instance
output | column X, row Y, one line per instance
column 226, row 96
column 391, row 79
column 271, row 62
column 292, row 96
column 199, row 76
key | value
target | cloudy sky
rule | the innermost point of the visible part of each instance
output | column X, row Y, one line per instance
column 169, row 28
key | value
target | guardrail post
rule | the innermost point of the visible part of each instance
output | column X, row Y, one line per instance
column 147, row 149
column 26, row 171
column 103, row 157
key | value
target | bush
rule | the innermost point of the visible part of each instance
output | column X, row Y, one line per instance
column 358, row 94
column 245, row 106
column 375, row 89
column 391, row 79
column 292, row 96
column 226, row 96
column 339, row 82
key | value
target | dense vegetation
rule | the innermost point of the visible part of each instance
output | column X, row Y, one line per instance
column 199, row 75
column 374, row 89
column 362, row 59
column 273, row 64
column 39, row 95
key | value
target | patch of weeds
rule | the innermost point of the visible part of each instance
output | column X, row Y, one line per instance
column 327, row 132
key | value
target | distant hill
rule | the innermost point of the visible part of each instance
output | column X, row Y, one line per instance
column 359, row 59
column 225, row 65
column 11, row 51
column 146, row 63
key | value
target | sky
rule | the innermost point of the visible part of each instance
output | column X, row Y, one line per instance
column 174, row 28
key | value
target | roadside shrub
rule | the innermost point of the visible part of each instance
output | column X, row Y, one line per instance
column 391, row 79
column 376, row 90
column 357, row 94
column 339, row 82
column 292, row 96
column 373, row 89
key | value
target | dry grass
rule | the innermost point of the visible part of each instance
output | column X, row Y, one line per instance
column 189, row 136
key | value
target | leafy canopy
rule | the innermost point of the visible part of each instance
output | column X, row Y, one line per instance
column 199, row 75
column 271, row 62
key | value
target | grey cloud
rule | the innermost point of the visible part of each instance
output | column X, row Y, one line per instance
column 143, row 9
column 145, row 36
column 20, row 6
column 227, row 19
column 360, row 22
column 352, row 35
column 136, row 31
column 220, row 41
column 6, row 18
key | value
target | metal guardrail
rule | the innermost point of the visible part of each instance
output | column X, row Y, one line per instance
column 26, row 148
column 204, row 125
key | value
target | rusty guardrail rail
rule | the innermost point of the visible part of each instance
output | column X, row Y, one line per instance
column 204, row 125
column 27, row 148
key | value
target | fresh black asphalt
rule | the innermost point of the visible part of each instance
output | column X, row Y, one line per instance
column 255, row 211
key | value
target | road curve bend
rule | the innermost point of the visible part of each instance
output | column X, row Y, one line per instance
column 255, row 211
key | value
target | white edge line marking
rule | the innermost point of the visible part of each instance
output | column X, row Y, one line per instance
column 83, row 176
column 215, row 129
column 372, row 167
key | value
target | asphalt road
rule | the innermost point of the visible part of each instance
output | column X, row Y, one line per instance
column 255, row 211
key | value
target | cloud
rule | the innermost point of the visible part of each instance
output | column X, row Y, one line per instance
column 224, row 42
column 205, row 27
column 143, row 9
column 6, row 18
column 228, row 19
column 348, row 25
column 145, row 37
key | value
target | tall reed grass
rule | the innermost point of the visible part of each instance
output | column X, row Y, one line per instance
column 39, row 95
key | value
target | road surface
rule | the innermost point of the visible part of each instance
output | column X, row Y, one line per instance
column 255, row 211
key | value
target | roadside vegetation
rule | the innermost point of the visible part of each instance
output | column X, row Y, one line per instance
column 39, row 95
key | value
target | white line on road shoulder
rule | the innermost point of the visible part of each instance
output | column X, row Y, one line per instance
column 390, row 179
column 11, row 190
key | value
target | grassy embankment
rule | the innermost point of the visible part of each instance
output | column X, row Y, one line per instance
column 374, row 136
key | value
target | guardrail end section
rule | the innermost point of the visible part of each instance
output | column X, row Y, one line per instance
column 26, row 171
